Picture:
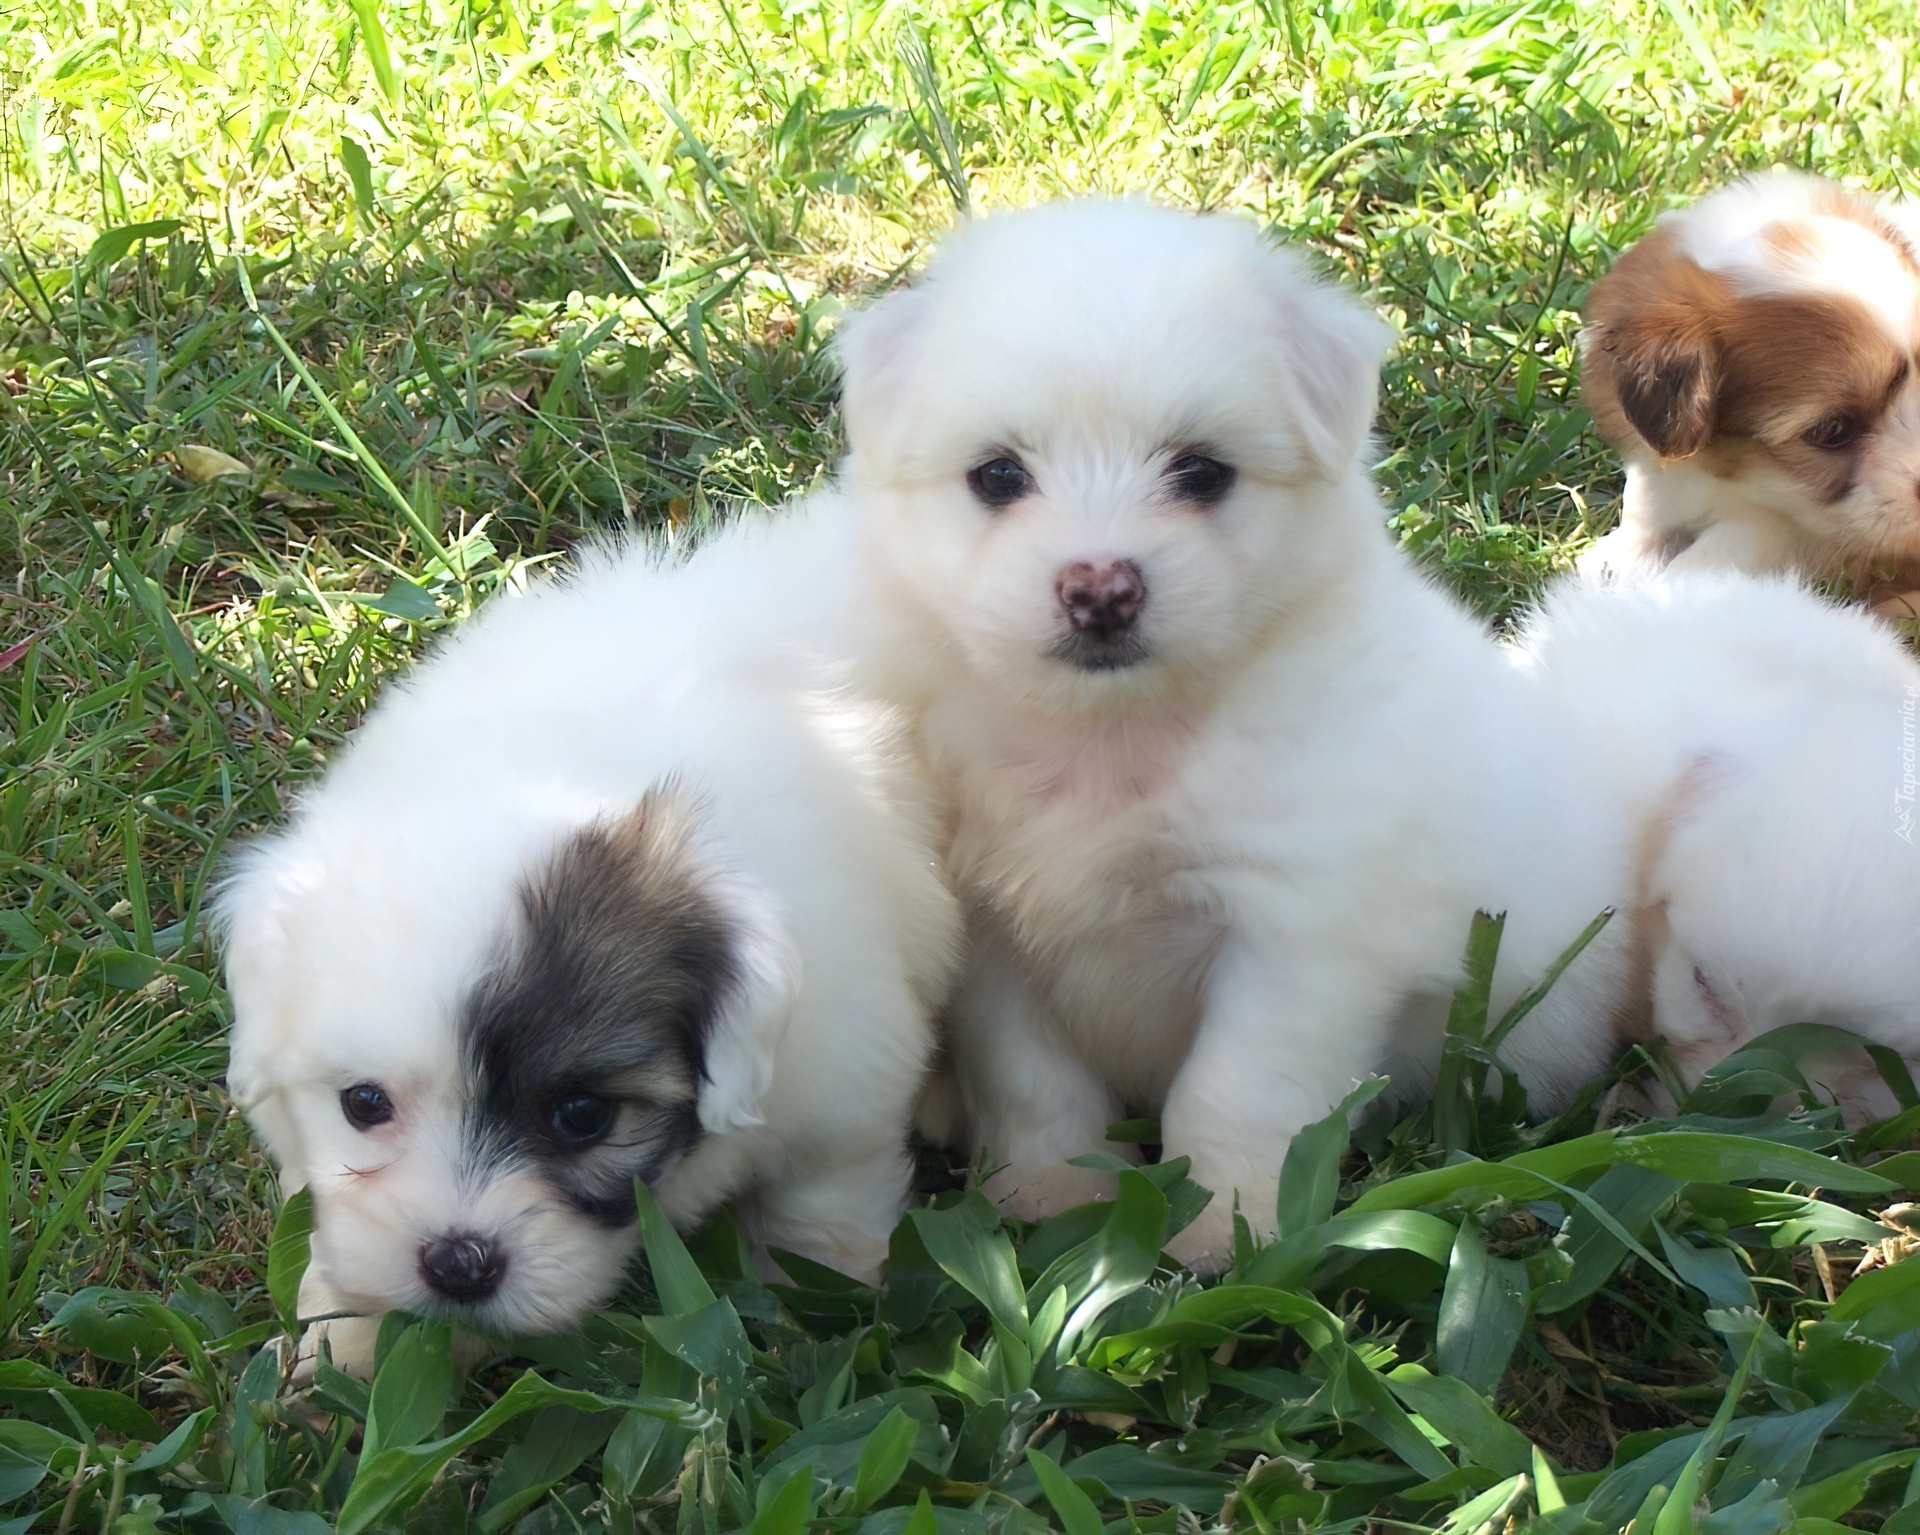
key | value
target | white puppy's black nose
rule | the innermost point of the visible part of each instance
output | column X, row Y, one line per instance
column 463, row 1265
column 1101, row 600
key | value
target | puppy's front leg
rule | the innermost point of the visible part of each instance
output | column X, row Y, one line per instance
column 350, row 1337
column 838, row 1206
column 1755, row 543
column 1285, row 1032
column 1032, row 1100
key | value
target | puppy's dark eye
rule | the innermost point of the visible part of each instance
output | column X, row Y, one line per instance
column 999, row 481
column 1832, row 432
column 1201, row 479
column 582, row 1117
column 366, row 1105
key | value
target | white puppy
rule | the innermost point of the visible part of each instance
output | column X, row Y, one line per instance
column 1764, row 741
column 621, row 882
column 1230, row 777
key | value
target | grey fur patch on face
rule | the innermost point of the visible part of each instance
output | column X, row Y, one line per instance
column 586, row 1047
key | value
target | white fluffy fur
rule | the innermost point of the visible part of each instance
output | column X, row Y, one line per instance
column 1765, row 741
column 353, row 933
column 1222, row 883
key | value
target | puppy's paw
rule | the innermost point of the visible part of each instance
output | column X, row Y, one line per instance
column 1206, row 1247
column 350, row 1341
column 1034, row 1191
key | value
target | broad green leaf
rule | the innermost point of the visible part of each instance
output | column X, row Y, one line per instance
column 379, row 52
column 883, row 1459
column 922, row 1521
column 1439, row 1185
column 676, row 1277
column 412, row 1390
column 1676, row 1514
column 1776, row 1449
column 1482, row 1311
column 203, row 465
column 560, row 1438
column 711, row 1340
column 1698, row 1157
column 1127, row 1472
column 115, row 1324
column 1840, row 1493
column 1548, row 1497
column 1633, row 1196
column 832, row 1381
column 1078, row 1516
column 19, row 1475
column 1482, row 1511
column 1779, row 1050
column 980, row 1262
column 1048, row 1318
column 1466, row 1419
column 178, row 1445
column 1761, row 1512
column 401, row 599
column 1120, row 1257
column 391, row 1480
column 1457, row 1089
column 1882, row 1304
column 256, row 1516
column 1791, row 1220
column 1902, row 1171
column 360, row 174
column 36, row 1441
column 111, row 244
column 1310, row 1175
column 288, row 1255
column 1713, row 1271
column 24, row 1385
column 247, row 1430
column 788, row 1508
column 1282, row 1265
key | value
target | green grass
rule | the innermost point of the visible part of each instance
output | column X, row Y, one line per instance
column 552, row 270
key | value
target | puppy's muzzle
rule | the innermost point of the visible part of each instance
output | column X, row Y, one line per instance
column 463, row 1266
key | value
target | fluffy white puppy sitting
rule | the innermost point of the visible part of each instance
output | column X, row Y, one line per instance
column 1765, row 742
column 1230, row 777
column 620, row 882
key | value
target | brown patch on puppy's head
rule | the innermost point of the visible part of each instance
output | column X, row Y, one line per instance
column 1650, row 351
column 1809, row 376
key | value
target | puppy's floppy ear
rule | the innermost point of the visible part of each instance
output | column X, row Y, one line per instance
column 753, row 1019
column 681, row 934
column 1650, row 359
column 248, row 925
column 878, row 347
column 1332, row 348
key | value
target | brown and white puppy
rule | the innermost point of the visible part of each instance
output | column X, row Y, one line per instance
column 1753, row 359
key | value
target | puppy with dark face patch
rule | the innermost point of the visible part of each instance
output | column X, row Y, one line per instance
column 624, row 882
column 1753, row 359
